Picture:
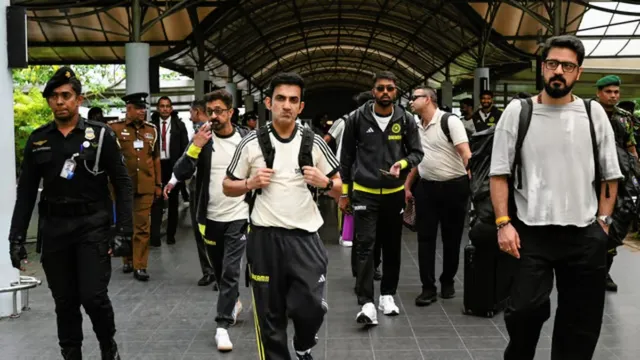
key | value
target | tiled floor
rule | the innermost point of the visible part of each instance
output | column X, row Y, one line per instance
column 171, row 318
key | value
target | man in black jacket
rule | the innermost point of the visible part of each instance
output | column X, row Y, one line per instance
column 223, row 220
column 488, row 115
column 378, row 136
column 173, row 141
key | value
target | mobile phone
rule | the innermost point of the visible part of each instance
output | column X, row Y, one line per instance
column 385, row 172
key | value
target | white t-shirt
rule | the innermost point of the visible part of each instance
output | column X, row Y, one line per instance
column 337, row 130
column 382, row 121
column 286, row 202
column 441, row 161
column 558, row 167
column 222, row 208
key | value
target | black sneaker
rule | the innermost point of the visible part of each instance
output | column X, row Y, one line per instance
column 610, row 285
column 127, row 268
column 447, row 292
column 304, row 356
column 109, row 351
column 426, row 298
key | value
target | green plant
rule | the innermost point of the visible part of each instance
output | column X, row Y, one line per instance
column 30, row 111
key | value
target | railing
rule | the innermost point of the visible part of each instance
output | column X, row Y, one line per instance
column 24, row 284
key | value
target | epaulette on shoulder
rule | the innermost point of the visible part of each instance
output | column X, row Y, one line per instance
column 150, row 124
column 116, row 121
column 623, row 112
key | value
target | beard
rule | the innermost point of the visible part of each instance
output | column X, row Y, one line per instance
column 556, row 91
column 216, row 125
column 486, row 105
column 384, row 102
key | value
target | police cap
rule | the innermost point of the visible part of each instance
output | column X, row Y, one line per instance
column 608, row 81
column 63, row 76
column 136, row 99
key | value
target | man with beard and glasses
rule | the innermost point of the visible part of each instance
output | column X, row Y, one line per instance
column 222, row 220
column 199, row 117
column 139, row 141
column 75, row 158
column 380, row 145
column 488, row 115
column 608, row 95
column 555, row 222
column 286, row 257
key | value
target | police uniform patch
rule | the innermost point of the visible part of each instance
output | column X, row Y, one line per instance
column 89, row 134
column 39, row 143
column 395, row 128
column 148, row 136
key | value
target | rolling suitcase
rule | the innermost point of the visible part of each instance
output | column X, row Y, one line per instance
column 487, row 274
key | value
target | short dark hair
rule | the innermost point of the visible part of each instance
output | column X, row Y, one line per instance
column 220, row 94
column 385, row 75
column 286, row 78
column 251, row 115
column 467, row 102
column 76, row 85
column 363, row 97
column 486, row 92
column 164, row 98
column 95, row 113
column 523, row 95
column 199, row 105
column 567, row 42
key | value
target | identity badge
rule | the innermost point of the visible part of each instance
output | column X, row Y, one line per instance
column 138, row 144
column 68, row 169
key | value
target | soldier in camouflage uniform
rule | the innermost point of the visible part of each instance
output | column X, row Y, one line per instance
column 623, row 124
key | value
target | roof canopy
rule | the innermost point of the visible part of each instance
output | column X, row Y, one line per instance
column 332, row 43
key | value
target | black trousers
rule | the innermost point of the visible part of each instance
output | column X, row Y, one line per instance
column 377, row 260
column 578, row 258
column 158, row 206
column 377, row 218
column 288, row 276
column 444, row 204
column 77, row 265
column 203, row 258
column 226, row 256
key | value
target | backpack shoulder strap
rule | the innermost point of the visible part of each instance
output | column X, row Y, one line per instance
column 596, row 155
column 444, row 122
column 524, row 121
column 305, row 156
column 265, row 146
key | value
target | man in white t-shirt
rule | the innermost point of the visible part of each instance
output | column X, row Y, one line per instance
column 221, row 219
column 560, row 224
column 441, row 194
column 287, row 260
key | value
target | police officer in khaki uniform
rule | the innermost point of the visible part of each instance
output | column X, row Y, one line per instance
column 139, row 143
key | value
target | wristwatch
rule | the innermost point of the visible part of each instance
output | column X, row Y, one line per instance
column 606, row 219
column 329, row 185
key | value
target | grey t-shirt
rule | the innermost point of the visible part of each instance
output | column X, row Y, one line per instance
column 557, row 161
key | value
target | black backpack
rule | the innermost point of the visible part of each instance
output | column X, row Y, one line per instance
column 480, row 163
column 444, row 123
column 305, row 157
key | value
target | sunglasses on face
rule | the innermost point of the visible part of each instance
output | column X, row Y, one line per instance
column 389, row 88
column 216, row 111
column 416, row 97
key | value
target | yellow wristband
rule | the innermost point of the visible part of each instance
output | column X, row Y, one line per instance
column 502, row 219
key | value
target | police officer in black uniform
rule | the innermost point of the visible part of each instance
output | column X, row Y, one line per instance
column 75, row 158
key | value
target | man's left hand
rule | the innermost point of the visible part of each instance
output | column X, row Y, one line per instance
column 314, row 177
column 395, row 169
column 158, row 192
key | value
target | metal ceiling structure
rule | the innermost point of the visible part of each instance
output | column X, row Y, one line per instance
column 332, row 43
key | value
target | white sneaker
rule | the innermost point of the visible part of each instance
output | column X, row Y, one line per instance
column 388, row 306
column 222, row 340
column 236, row 311
column 345, row 243
column 368, row 315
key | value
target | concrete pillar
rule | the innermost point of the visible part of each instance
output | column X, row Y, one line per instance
column 137, row 67
column 232, row 88
column 480, row 82
column 248, row 103
column 199, row 82
column 262, row 114
column 8, row 182
column 447, row 93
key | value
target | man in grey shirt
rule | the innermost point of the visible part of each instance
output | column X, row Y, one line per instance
column 560, row 225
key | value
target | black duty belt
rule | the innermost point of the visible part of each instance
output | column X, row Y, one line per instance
column 46, row 208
